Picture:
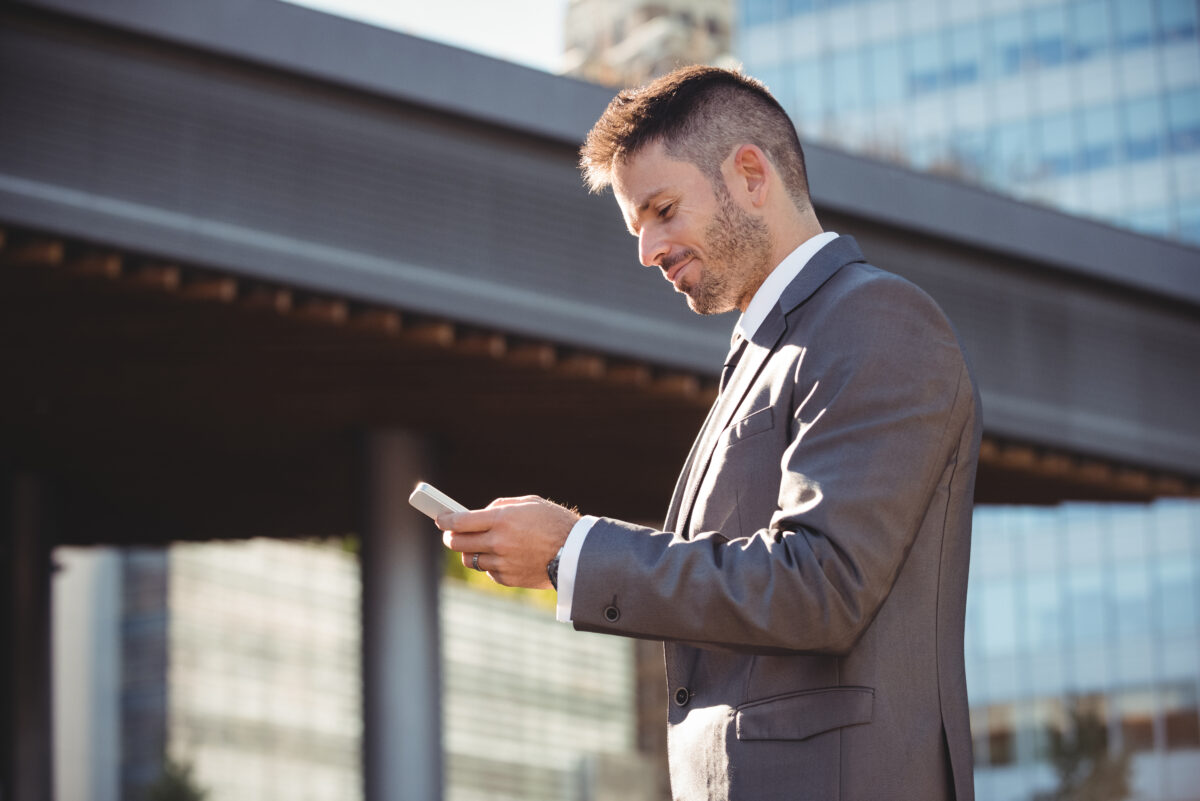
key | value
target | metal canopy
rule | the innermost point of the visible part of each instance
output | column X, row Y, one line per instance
column 396, row 234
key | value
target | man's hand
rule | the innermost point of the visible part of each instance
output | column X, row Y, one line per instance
column 515, row 538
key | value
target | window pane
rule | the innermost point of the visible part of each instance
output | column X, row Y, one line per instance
column 847, row 80
column 927, row 60
column 1098, row 132
column 966, row 55
column 1177, row 19
column 1183, row 120
column 1143, row 128
column 1049, row 35
column 1090, row 31
column 1135, row 23
column 1008, row 45
column 887, row 74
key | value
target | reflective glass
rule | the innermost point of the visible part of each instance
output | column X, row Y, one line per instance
column 1087, row 609
column 1008, row 44
column 998, row 613
column 1049, row 25
column 1057, row 144
column 1143, row 119
column 927, row 61
column 1189, row 222
column 1177, row 19
column 1176, row 594
column 1182, row 717
column 1012, row 145
column 848, row 83
column 1183, row 120
column 966, row 55
column 1044, row 611
column 886, row 85
column 1134, row 23
column 1099, row 137
column 809, row 94
column 1090, row 32
column 1132, row 599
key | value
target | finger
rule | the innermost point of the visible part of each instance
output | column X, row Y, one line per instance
column 465, row 543
column 475, row 520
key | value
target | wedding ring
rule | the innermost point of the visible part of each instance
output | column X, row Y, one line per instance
column 475, row 562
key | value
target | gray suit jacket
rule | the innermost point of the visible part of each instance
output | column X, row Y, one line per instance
column 810, row 581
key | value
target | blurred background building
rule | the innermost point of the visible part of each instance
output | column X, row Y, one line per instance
column 1090, row 106
column 627, row 42
column 232, row 264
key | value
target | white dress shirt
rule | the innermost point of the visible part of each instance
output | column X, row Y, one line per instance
column 765, row 299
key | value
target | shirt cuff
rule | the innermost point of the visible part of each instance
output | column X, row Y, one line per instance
column 567, row 564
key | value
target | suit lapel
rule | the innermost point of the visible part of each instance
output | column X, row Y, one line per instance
column 820, row 268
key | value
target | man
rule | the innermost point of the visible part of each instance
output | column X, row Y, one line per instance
column 810, row 580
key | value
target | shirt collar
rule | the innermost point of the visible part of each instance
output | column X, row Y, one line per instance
column 772, row 288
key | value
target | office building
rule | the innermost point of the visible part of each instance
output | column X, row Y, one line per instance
column 627, row 42
column 1089, row 106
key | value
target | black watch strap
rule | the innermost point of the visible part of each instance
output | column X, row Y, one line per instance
column 552, row 569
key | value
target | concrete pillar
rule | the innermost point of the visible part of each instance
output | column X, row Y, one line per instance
column 401, row 566
column 25, row 611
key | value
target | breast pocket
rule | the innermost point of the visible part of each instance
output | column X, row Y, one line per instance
column 753, row 423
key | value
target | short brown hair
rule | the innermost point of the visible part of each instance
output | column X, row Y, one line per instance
column 699, row 114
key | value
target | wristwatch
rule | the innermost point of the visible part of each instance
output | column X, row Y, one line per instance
column 552, row 568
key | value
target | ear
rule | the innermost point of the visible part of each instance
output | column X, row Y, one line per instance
column 751, row 170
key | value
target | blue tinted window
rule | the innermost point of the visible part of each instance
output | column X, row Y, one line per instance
column 809, row 93
column 758, row 12
column 1057, row 145
column 1044, row 612
column 1008, row 45
column 848, row 84
column 799, row 6
column 1090, row 32
column 1176, row 593
column 1012, row 145
column 1189, row 222
column 886, row 84
column 998, row 611
column 1177, row 19
column 1049, row 27
column 964, row 64
column 1086, row 590
column 1098, row 138
column 1134, row 23
column 927, row 62
column 1183, row 120
column 1143, row 121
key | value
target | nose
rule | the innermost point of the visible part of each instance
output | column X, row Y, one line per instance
column 652, row 246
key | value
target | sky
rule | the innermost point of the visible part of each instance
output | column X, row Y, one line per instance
column 528, row 32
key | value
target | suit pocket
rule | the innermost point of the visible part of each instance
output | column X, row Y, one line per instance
column 751, row 424
column 798, row 716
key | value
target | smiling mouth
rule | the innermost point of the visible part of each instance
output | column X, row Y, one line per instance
column 673, row 269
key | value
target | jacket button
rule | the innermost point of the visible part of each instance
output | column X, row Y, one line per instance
column 612, row 614
column 682, row 696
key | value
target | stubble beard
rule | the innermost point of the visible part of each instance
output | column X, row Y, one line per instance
column 738, row 252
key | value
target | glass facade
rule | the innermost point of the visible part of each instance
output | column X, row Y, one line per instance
column 532, row 709
column 1091, row 106
column 1083, row 636
column 263, row 690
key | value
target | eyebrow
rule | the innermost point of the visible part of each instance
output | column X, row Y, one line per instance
column 630, row 224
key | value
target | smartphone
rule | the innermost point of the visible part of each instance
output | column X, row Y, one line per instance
column 429, row 500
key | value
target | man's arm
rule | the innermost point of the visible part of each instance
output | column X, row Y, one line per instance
column 881, row 410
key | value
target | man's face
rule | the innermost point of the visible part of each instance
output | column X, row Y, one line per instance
column 708, row 247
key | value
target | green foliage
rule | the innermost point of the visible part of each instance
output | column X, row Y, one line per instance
column 1086, row 767
column 175, row 784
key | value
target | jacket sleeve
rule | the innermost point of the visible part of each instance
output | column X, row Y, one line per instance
column 876, row 395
